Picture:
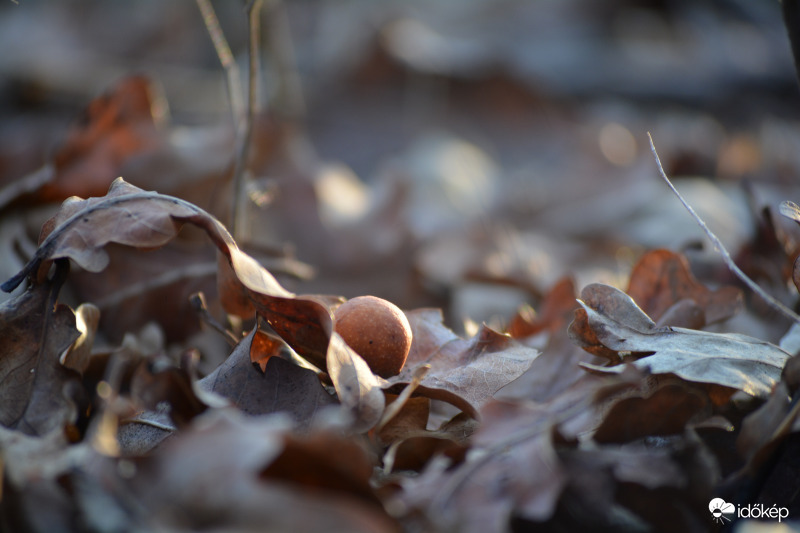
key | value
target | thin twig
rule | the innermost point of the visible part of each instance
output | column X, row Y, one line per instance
column 288, row 99
column 772, row 302
column 225, row 58
column 240, row 168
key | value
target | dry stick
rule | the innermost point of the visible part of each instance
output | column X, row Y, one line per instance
column 253, row 37
column 772, row 302
column 225, row 58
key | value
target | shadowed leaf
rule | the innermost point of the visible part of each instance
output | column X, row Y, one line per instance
column 731, row 360
column 35, row 332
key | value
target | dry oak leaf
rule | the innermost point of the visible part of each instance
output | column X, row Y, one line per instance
column 281, row 387
column 34, row 385
column 130, row 216
column 504, row 475
column 230, row 472
column 661, row 279
column 661, row 488
column 554, row 313
column 731, row 360
column 464, row 372
column 359, row 390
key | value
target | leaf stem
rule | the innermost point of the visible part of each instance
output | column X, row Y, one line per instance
column 726, row 256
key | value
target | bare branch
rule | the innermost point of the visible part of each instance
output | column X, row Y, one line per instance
column 726, row 256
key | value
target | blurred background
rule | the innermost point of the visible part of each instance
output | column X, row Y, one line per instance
column 463, row 155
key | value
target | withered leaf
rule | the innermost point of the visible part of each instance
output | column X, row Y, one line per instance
column 324, row 461
column 509, row 475
column 115, row 127
column 669, row 485
column 79, row 355
column 359, row 390
column 219, row 472
column 731, row 360
column 464, row 372
column 281, row 387
column 663, row 411
column 132, row 217
column 34, row 385
column 558, row 304
column 662, row 278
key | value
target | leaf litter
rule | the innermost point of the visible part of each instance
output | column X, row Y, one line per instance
column 160, row 373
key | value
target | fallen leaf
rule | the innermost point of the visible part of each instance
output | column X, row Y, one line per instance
column 621, row 487
column 281, row 387
column 731, row 360
column 127, row 215
column 464, row 372
column 665, row 410
column 359, row 390
column 36, row 389
column 661, row 279
column 557, row 306
column 248, row 482
column 115, row 127
column 87, row 318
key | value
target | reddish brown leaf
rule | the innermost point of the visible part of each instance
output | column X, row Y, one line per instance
column 663, row 411
column 411, row 419
column 661, row 279
column 322, row 462
column 615, row 304
column 554, row 313
column 114, row 128
column 413, row 453
column 263, row 348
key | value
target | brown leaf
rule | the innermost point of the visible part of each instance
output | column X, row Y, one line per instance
column 87, row 317
column 324, row 461
column 553, row 314
column 619, row 487
column 129, row 216
column 281, row 387
column 661, row 279
column 153, row 387
column 246, row 474
column 413, row 453
column 731, row 360
column 359, row 390
column 35, row 387
column 464, row 372
column 409, row 420
column 115, row 127
column 614, row 303
column 511, row 475
column 663, row 411
column 263, row 348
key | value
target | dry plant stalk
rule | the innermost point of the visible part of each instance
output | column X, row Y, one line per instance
column 726, row 256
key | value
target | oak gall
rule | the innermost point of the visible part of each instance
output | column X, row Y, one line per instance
column 377, row 330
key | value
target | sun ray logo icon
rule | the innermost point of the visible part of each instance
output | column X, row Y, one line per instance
column 720, row 509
